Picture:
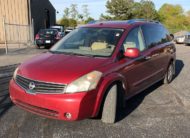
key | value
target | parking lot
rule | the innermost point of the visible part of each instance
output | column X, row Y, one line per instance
column 160, row 111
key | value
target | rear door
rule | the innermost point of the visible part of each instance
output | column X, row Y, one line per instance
column 158, row 44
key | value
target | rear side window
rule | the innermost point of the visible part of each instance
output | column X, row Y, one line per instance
column 155, row 34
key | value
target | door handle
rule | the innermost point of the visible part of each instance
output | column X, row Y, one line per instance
column 147, row 57
column 155, row 55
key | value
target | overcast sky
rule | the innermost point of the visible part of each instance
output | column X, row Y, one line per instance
column 96, row 7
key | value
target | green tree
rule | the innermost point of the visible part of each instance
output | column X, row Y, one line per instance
column 74, row 11
column 168, row 10
column 105, row 17
column 64, row 22
column 120, row 9
column 128, row 9
column 145, row 9
column 173, row 17
column 85, row 11
column 66, row 13
column 89, row 19
column 81, row 17
column 72, row 23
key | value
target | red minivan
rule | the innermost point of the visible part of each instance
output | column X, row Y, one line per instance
column 94, row 69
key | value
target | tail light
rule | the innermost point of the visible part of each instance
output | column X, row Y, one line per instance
column 37, row 36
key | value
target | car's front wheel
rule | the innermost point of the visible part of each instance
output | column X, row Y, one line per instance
column 169, row 74
column 110, row 106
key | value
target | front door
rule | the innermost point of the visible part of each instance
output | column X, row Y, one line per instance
column 139, row 71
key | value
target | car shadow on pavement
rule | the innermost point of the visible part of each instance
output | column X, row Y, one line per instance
column 178, row 66
column 6, row 73
column 5, row 103
column 135, row 101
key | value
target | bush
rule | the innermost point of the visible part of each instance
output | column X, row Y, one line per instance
column 64, row 22
column 68, row 22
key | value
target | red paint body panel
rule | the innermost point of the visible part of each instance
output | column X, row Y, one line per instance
column 80, row 105
column 59, row 68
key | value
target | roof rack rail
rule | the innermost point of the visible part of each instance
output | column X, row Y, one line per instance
column 131, row 21
column 141, row 20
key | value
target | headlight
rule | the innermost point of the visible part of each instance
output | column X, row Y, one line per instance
column 85, row 83
column 15, row 73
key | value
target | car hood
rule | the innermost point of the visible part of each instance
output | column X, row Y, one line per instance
column 60, row 68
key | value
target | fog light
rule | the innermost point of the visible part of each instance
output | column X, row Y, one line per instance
column 68, row 115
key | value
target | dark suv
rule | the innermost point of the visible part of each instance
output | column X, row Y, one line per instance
column 94, row 69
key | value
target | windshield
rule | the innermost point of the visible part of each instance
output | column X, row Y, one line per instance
column 47, row 31
column 89, row 42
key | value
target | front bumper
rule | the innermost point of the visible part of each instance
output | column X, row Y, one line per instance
column 79, row 105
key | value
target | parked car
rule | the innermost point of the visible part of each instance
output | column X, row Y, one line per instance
column 47, row 37
column 60, row 28
column 68, row 30
column 180, row 39
column 187, row 39
column 94, row 69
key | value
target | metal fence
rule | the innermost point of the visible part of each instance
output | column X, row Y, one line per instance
column 16, row 35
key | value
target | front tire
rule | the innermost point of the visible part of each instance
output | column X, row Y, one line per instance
column 169, row 74
column 110, row 106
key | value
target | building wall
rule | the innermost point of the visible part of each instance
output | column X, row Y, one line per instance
column 15, row 12
column 38, row 10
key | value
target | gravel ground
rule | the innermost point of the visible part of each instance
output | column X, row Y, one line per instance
column 160, row 111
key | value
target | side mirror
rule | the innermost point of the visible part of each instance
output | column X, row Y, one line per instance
column 172, row 37
column 132, row 52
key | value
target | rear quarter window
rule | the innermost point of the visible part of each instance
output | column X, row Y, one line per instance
column 155, row 34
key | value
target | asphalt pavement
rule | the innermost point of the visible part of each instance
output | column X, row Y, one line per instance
column 160, row 111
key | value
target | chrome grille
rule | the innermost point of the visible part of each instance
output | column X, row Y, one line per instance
column 33, row 86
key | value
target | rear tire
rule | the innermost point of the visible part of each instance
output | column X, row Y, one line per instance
column 169, row 74
column 38, row 46
column 110, row 106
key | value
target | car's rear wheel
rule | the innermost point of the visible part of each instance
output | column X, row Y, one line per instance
column 110, row 106
column 169, row 74
column 38, row 46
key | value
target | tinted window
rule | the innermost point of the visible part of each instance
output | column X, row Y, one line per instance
column 47, row 31
column 134, row 40
column 155, row 34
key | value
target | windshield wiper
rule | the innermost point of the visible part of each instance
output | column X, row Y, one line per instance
column 70, row 53
column 55, row 52
column 76, row 54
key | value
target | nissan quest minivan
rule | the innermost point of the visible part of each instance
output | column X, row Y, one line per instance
column 94, row 69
